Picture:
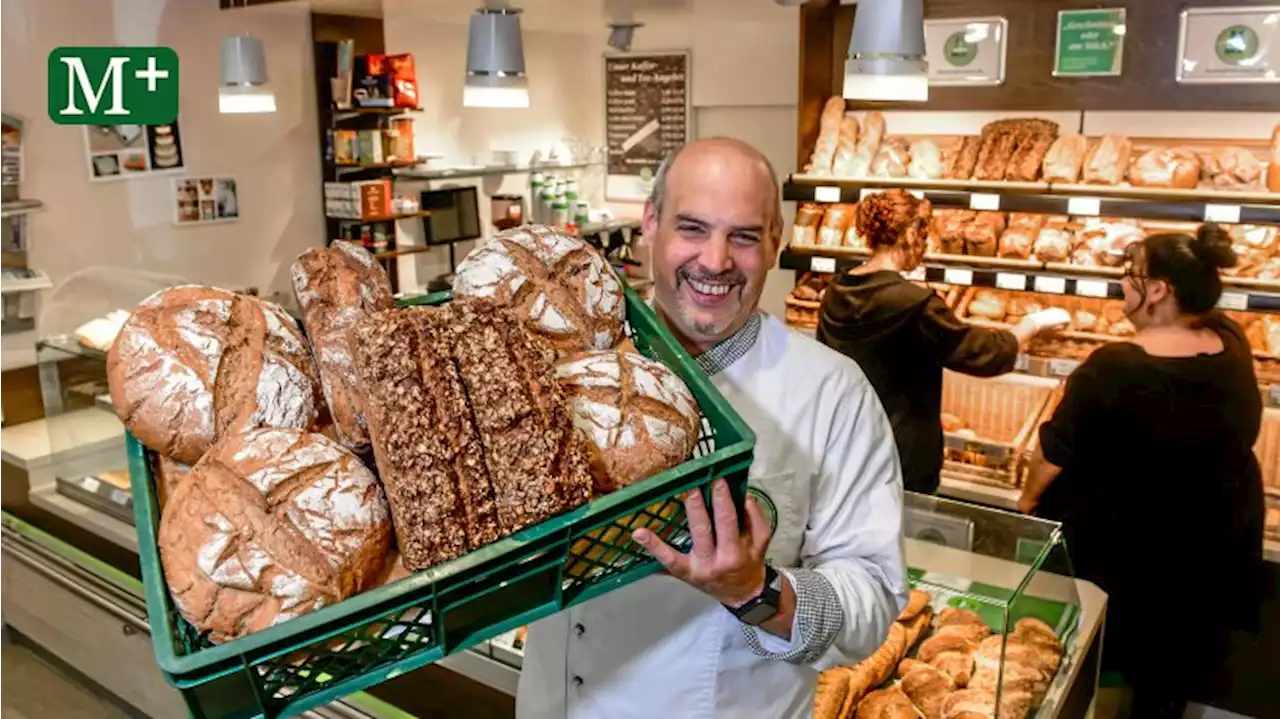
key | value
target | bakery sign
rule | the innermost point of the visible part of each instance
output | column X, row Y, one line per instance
column 1229, row 45
column 966, row 51
column 1090, row 42
column 646, row 116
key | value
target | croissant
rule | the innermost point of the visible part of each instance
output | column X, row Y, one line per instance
column 888, row 703
column 1018, row 677
column 925, row 686
column 953, row 655
column 1033, row 631
column 830, row 699
column 952, row 615
column 972, row 632
column 976, row 703
column 916, row 603
column 1033, row 655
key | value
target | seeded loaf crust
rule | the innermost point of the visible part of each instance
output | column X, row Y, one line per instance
column 193, row 364
column 336, row 286
column 638, row 418
column 271, row 524
column 559, row 285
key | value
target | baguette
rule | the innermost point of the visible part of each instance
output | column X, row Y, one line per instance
column 868, row 144
column 846, row 144
column 824, row 150
column 1273, row 167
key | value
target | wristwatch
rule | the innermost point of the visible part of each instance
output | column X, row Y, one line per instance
column 765, row 605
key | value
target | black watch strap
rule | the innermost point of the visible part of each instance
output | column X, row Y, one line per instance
column 764, row 606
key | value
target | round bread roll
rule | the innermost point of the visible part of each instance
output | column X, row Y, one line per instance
column 193, row 364
column 637, row 416
column 271, row 524
column 560, row 285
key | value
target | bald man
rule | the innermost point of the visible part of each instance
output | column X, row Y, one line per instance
column 741, row 625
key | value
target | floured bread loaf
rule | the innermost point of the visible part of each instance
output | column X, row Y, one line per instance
column 639, row 417
column 168, row 474
column 271, row 524
column 562, row 288
column 336, row 286
column 193, row 364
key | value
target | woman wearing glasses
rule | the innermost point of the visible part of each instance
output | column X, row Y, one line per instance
column 1148, row 462
column 902, row 335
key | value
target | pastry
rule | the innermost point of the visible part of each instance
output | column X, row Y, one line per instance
column 888, row 703
column 824, row 150
column 926, row 161
column 844, row 162
column 980, row 703
column 925, row 685
column 1043, row 657
column 1174, row 167
column 892, row 158
column 917, row 602
column 954, row 615
column 194, row 364
column 558, row 284
column 831, row 698
column 1107, row 160
column 271, row 524
column 1065, row 158
column 336, row 286
column 953, row 655
column 1233, row 168
column 638, row 418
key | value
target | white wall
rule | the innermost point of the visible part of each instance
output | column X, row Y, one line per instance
column 126, row 224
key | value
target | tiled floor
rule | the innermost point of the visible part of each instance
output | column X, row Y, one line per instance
column 33, row 689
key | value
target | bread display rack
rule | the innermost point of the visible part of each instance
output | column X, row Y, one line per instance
column 991, row 425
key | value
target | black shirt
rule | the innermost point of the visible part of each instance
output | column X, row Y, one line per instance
column 1160, row 490
column 903, row 335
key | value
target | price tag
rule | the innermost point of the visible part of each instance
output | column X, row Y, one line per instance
column 1275, row 394
column 1011, row 281
column 984, row 201
column 916, row 275
column 957, row 276
column 1091, row 288
column 1084, row 206
column 918, row 194
column 1234, row 301
column 822, row 264
column 91, row 484
column 1052, row 285
column 119, row 496
column 1062, row 367
column 1222, row 213
column 866, row 192
column 1023, row 364
column 826, row 193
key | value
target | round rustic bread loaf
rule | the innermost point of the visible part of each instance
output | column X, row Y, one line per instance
column 271, row 524
column 637, row 416
column 193, row 363
column 560, row 285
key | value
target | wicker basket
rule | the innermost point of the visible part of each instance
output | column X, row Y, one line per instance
column 1268, row 451
column 1003, row 414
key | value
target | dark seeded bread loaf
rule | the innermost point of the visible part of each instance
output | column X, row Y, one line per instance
column 336, row 286
column 193, row 364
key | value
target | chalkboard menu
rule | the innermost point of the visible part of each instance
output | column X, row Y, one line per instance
column 646, row 116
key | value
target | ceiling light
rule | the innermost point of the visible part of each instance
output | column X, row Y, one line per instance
column 886, row 53
column 244, row 77
column 495, row 60
column 622, row 34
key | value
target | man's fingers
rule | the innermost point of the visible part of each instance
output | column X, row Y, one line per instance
column 704, row 543
column 671, row 559
column 758, row 528
column 726, row 514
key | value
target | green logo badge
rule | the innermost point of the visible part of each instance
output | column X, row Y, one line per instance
column 113, row 85
column 958, row 51
column 1236, row 44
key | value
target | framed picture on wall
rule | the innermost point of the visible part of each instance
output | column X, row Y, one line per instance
column 205, row 200
column 125, row 152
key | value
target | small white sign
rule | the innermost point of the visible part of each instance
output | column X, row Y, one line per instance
column 984, row 201
column 957, row 276
column 916, row 275
column 1052, row 285
column 822, row 264
column 119, row 496
column 1275, row 394
column 1091, row 288
column 1084, row 206
column 1229, row 45
column 966, row 51
column 1062, row 367
column 866, row 192
column 1011, row 281
column 1222, row 213
column 90, row 483
column 918, row 194
column 826, row 193
column 1022, row 364
column 1234, row 301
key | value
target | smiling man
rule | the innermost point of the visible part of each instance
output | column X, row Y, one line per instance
column 741, row 625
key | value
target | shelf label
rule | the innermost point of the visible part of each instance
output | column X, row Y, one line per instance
column 1222, row 213
column 957, row 276
column 1011, row 281
column 1275, row 394
column 866, row 192
column 1023, row 364
column 91, row 484
column 918, row 194
column 826, row 193
column 1091, row 288
column 916, row 275
column 984, row 201
column 822, row 264
column 1234, row 301
column 1052, row 285
column 1062, row 367
column 1084, row 206
column 119, row 496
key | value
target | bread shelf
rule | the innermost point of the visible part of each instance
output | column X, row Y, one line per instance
column 20, row 207
column 1025, row 276
column 341, row 114
column 1053, row 198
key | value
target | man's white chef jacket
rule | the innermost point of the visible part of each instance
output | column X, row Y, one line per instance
column 660, row 649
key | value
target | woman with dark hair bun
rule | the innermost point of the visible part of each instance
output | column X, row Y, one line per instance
column 903, row 335
column 1148, row 462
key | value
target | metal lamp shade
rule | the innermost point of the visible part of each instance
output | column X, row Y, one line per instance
column 886, row 53
column 495, row 61
column 244, row 74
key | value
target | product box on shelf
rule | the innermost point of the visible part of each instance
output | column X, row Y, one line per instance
column 364, row 200
column 313, row 659
column 372, row 86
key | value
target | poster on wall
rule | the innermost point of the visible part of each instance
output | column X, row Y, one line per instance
column 1229, row 45
column 126, row 152
column 966, row 51
column 202, row 200
column 646, row 99
column 1090, row 42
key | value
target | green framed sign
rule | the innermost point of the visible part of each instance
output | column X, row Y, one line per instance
column 1090, row 43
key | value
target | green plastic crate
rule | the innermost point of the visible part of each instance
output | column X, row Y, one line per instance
column 374, row 636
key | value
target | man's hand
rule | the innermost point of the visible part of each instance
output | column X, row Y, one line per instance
column 728, row 565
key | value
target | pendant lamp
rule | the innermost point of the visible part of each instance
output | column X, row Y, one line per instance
column 244, row 77
column 886, row 53
column 495, row 60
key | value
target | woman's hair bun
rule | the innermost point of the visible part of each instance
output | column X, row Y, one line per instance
column 1212, row 245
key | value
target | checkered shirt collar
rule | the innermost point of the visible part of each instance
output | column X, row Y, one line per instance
column 732, row 348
